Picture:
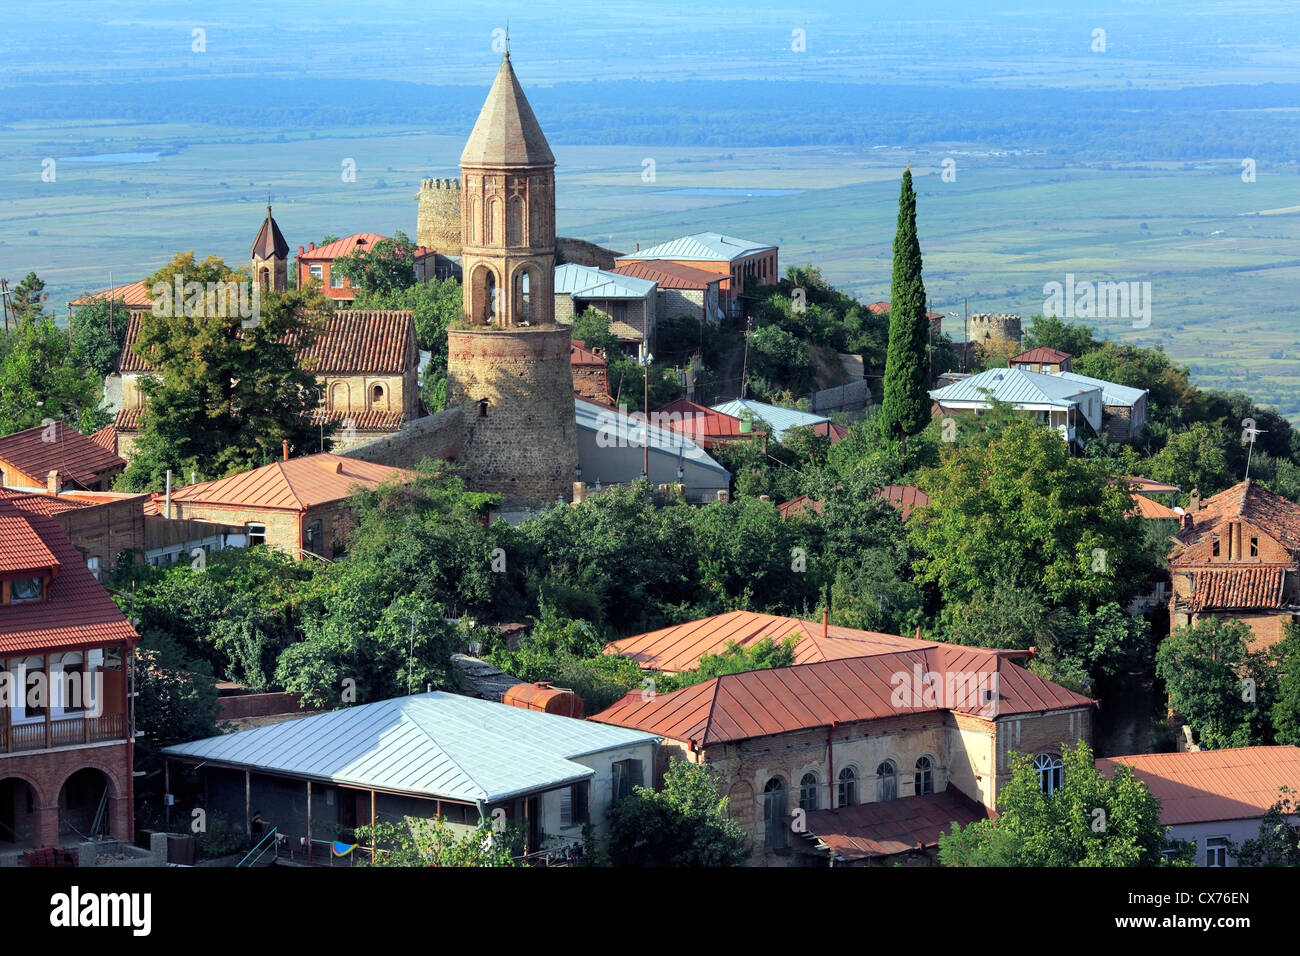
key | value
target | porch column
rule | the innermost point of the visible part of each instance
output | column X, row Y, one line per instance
column 48, row 702
column 248, row 804
column 372, row 826
column 309, row 822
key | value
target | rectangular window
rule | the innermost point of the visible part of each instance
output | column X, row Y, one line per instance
column 1254, row 547
column 93, row 564
column 24, row 589
column 317, row 271
column 627, row 774
column 315, row 543
column 336, row 280
column 256, row 534
column 1216, row 851
column 1216, row 547
column 573, row 805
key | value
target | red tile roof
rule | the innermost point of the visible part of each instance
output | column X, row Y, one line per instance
column 1043, row 354
column 106, row 437
column 580, row 355
column 293, row 485
column 887, row 827
column 681, row 646
column 906, row 498
column 786, row 699
column 669, row 275
column 1254, row 586
column 701, row 424
column 127, row 420
column 21, row 548
column 79, row 613
column 1210, row 785
column 370, row 420
column 1147, row 508
column 1256, row 504
column 74, row 456
column 47, row 505
column 880, row 308
column 352, row 341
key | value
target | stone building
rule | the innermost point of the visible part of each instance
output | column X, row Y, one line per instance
column 1237, row 557
column 625, row 300
column 840, row 739
column 56, row 456
column 508, row 370
column 269, row 265
column 438, row 215
column 995, row 331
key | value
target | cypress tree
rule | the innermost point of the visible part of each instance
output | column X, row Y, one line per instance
column 905, row 408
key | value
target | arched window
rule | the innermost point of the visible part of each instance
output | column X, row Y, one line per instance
column 493, row 211
column 339, row 400
column 377, row 395
column 924, row 776
column 808, row 792
column 774, row 812
column 886, row 782
column 523, row 297
column 482, row 408
column 848, row 789
column 1050, row 772
column 515, row 221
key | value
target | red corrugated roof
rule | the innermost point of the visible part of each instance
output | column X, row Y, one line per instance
column 905, row 498
column 74, row 456
column 669, row 275
column 1209, row 785
column 1147, row 508
column 1147, row 486
column 681, row 646
column 293, row 485
column 352, row 341
column 786, row 699
column 79, row 613
column 887, row 827
column 348, row 245
column 703, row 425
column 1043, row 354
column 836, row 432
column 133, row 295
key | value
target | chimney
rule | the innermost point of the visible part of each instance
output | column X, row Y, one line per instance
column 286, row 449
column 579, row 492
column 167, row 512
column 1194, row 502
column 826, row 620
column 53, row 484
column 300, row 250
column 311, row 246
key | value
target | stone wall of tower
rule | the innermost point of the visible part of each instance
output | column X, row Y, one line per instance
column 278, row 269
column 989, row 328
column 523, row 442
column 438, row 216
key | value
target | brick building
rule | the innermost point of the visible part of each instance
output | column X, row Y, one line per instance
column 1236, row 557
column 831, row 737
column 65, row 754
column 590, row 372
column 317, row 263
column 623, row 299
column 55, row 456
column 742, row 265
column 300, row 505
column 680, row 290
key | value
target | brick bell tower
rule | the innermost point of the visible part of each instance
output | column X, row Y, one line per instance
column 270, row 256
column 509, row 370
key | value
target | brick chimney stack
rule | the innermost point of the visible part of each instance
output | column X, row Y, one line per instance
column 286, row 449
column 53, row 483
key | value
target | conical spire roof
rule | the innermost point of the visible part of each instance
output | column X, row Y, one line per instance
column 270, row 243
column 507, row 133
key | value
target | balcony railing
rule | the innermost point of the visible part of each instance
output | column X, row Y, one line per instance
column 64, row 732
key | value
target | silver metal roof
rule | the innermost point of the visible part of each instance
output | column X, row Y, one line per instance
column 626, row 431
column 781, row 419
column 704, row 247
column 588, row 282
column 432, row 745
column 1015, row 386
column 1112, row 393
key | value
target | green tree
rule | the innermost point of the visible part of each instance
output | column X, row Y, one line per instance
column 685, row 823
column 592, row 328
column 1285, row 663
column 386, row 267
column 414, row 841
column 41, row 381
column 226, row 395
column 27, row 303
column 1195, row 458
column 98, row 337
column 905, row 409
column 1053, row 333
column 1215, row 684
column 176, row 699
column 1089, row 821
column 1278, row 842
column 762, row 654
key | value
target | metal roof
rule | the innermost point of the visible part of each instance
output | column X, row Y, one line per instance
column 431, row 745
column 295, row 485
column 781, row 419
column 1111, row 393
column 588, row 282
column 618, row 426
column 1233, row 784
column 701, row 247
column 887, row 827
column 670, row 275
column 1014, row 386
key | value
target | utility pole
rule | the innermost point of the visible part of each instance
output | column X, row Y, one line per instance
column 744, row 368
column 4, row 298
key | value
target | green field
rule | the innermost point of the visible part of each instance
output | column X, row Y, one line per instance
column 1222, row 255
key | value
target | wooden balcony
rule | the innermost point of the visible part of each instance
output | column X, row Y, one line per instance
column 63, row 732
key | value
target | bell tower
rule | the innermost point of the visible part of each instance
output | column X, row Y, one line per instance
column 508, row 368
column 270, row 256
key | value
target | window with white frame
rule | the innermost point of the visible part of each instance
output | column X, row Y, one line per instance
column 573, row 804
column 848, row 788
column 317, row 271
column 1216, row 851
column 1050, row 770
column 93, row 564
column 256, row 534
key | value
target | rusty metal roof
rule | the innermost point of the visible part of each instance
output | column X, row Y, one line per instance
column 294, row 485
column 270, row 242
column 1043, row 354
column 1147, row 508
column 669, row 274
column 37, row 451
column 887, row 827
column 1233, row 784
column 785, row 699
column 681, row 646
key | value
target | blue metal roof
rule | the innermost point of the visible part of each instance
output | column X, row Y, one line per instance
column 703, row 247
column 588, row 282
column 432, row 745
column 1112, row 393
column 627, row 430
column 781, row 419
column 1015, row 386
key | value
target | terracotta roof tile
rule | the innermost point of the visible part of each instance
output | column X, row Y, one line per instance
column 669, row 275
column 370, row 420
column 1249, row 500
column 1209, row 785
column 79, row 613
column 106, row 437
column 21, row 548
column 1043, row 354
column 292, row 485
column 884, row 828
column 134, row 295
column 1254, row 586
column 74, row 456
column 352, row 341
